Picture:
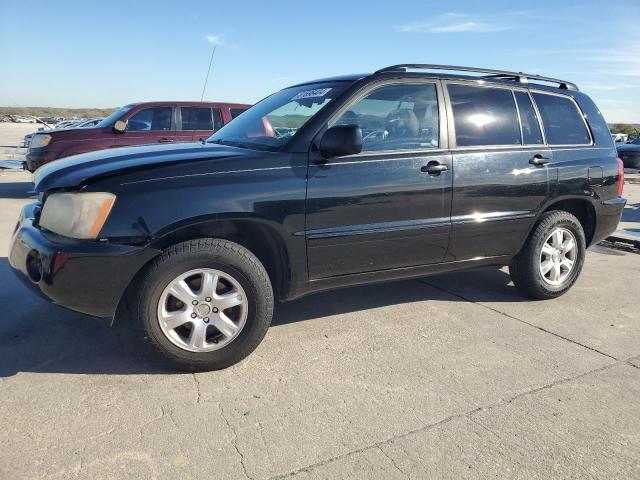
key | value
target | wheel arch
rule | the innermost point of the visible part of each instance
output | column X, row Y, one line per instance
column 260, row 238
column 580, row 207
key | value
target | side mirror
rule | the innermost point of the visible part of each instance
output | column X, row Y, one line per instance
column 341, row 140
column 120, row 126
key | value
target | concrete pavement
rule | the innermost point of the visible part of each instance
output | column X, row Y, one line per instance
column 456, row 376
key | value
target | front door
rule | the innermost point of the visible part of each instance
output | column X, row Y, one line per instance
column 501, row 172
column 148, row 126
column 389, row 206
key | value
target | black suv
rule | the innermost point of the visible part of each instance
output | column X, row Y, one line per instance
column 410, row 171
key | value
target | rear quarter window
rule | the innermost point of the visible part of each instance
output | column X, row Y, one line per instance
column 563, row 122
column 236, row 112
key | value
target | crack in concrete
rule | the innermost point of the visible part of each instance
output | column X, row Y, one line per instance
column 570, row 340
column 391, row 459
column 631, row 364
column 468, row 414
column 234, row 442
column 195, row 379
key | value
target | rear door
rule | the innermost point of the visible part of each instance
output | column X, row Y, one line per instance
column 500, row 162
column 149, row 125
column 575, row 158
column 198, row 123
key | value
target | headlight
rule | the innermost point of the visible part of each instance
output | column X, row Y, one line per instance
column 76, row 215
column 40, row 140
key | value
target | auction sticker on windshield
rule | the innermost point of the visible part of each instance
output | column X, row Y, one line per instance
column 318, row 92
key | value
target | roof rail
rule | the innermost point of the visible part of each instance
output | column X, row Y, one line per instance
column 519, row 77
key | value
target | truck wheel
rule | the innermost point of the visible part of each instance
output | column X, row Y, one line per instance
column 552, row 257
column 205, row 304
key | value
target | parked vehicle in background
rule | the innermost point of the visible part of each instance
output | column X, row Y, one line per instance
column 398, row 174
column 619, row 137
column 629, row 153
column 91, row 122
column 29, row 137
column 135, row 124
column 66, row 124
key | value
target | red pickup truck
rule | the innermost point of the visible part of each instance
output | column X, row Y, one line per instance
column 135, row 124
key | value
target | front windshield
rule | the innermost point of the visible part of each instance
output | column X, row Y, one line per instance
column 270, row 124
column 635, row 140
column 111, row 119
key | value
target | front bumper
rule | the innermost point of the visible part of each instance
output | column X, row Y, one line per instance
column 85, row 276
column 37, row 157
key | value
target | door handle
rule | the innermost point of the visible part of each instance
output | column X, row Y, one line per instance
column 538, row 160
column 166, row 140
column 434, row 168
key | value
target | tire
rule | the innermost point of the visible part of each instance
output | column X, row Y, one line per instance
column 230, row 266
column 527, row 267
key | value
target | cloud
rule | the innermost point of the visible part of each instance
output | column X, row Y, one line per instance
column 460, row 23
column 218, row 40
column 214, row 39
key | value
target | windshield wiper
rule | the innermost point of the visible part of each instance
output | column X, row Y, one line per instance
column 232, row 143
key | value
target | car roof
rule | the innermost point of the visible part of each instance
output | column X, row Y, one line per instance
column 168, row 103
column 450, row 72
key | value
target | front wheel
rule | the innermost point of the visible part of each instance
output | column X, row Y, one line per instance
column 205, row 304
column 551, row 260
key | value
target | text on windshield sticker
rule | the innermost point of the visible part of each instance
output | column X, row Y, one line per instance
column 318, row 92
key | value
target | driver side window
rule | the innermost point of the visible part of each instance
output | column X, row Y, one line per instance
column 396, row 117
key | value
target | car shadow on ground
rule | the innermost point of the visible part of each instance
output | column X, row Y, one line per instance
column 16, row 190
column 36, row 336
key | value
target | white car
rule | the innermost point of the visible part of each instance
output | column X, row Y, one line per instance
column 21, row 119
column 92, row 122
column 65, row 124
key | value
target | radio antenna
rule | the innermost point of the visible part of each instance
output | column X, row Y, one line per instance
column 208, row 70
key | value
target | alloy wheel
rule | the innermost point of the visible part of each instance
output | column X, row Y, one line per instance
column 202, row 310
column 558, row 256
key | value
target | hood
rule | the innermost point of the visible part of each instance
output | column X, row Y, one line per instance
column 79, row 169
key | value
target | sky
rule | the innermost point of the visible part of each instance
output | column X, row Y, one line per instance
column 90, row 53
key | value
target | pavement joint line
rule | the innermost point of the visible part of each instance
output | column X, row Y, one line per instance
column 468, row 414
column 542, row 329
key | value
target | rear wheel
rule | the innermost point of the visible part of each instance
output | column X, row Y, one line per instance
column 551, row 260
column 205, row 304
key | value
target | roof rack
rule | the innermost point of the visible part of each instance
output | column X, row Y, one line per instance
column 519, row 77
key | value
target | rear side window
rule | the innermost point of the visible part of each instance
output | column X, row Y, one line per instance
column 194, row 118
column 563, row 123
column 531, row 134
column 151, row 119
column 236, row 111
column 484, row 116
